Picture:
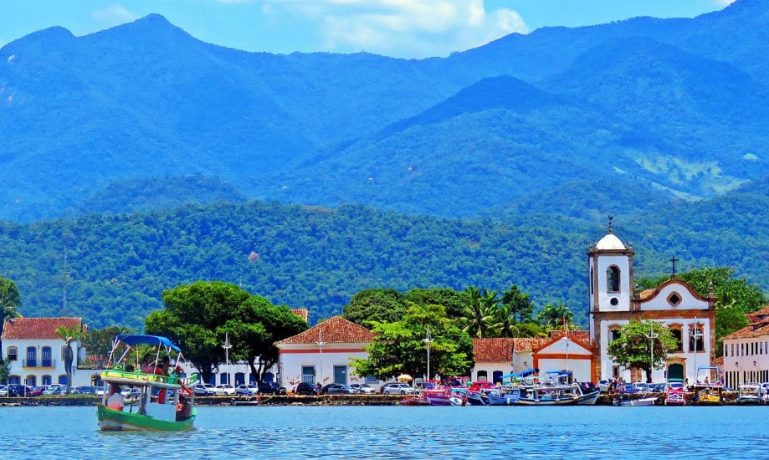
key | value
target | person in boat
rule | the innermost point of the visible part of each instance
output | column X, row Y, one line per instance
column 146, row 365
column 163, row 370
column 115, row 400
column 183, row 410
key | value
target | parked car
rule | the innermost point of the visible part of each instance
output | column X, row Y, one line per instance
column 337, row 389
column 16, row 389
column 86, row 390
column 398, row 389
column 100, row 390
column 271, row 388
column 55, row 389
column 305, row 388
column 3, row 391
column 203, row 390
column 246, row 390
column 604, row 385
column 224, row 390
column 131, row 392
column 38, row 390
column 362, row 389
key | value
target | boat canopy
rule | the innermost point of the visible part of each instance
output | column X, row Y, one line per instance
column 528, row 372
column 559, row 373
column 141, row 339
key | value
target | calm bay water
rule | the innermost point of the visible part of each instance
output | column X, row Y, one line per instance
column 400, row 432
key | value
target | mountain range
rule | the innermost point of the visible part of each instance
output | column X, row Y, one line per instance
column 674, row 107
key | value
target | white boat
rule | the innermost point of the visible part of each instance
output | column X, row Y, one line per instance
column 749, row 393
column 646, row 401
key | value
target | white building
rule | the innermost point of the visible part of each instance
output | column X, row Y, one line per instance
column 614, row 302
column 322, row 354
column 566, row 351
column 36, row 354
column 497, row 357
column 746, row 352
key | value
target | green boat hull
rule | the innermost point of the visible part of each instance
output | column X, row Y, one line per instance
column 112, row 420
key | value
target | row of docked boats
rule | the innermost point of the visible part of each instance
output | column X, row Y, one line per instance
column 526, row 389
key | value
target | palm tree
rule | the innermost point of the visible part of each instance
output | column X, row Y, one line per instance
column 505, row 320
column 553, row 316
column 480, row 313
column 520, row 305
column 69, row 335
column 9, row 301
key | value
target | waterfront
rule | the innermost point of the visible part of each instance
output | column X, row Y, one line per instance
column 399, row 432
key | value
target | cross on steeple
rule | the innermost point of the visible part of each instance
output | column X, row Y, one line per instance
column 611, row 218
column 674, row 260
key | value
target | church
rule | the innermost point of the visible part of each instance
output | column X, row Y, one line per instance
column 614, row 302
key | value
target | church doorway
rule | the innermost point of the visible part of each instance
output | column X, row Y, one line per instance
column 676, row 371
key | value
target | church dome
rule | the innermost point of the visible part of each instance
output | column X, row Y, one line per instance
column 610, row 242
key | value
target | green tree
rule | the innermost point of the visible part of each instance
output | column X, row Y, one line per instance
column 98, row 342
column 5, row 371
column 519, row 304
column 399, row 347
column 10, row 300
column 633, row 348
column 481, row 316
column 372, row 305
column 553, row 316
column 454, row 301
column 194, row 316
column 69, row 335
column 255, row 327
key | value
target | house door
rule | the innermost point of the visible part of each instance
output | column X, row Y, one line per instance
column 676, row 371
column 340, row 374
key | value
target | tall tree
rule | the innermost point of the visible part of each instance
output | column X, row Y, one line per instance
column 633, row 348
column 372, row 305
column 454, row 301
column 69, row 335
column 193, row 316
column 98, row 342
column 10, row 300
column 553, row 316
column 400, row 347
column 519, row 303
column 480, row 313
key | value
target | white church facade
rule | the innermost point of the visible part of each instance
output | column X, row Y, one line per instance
column 615, row 302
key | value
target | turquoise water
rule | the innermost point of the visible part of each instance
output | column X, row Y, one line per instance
column 400, row 432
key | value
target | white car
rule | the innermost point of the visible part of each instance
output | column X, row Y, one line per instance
column 3, row 391
column 398, row 389
column 364, row 389
column 224, row 390
column 132, row 392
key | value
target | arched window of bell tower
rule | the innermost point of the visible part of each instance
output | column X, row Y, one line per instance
column 612, row 279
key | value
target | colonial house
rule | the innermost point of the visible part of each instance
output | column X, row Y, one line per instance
column 614, row 302
column 36, row 354
column 322, row 354
column 566, row 350
column 746, row 351
column 497, row 357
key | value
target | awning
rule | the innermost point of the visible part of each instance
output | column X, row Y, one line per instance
column 141, row 339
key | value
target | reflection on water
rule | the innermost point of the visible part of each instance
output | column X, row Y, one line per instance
column 399, row 432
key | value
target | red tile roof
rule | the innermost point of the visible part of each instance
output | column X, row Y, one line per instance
column 501, row 349
column 759, row 315
column 302, row 313
column 751, row 331
column 579, row 336
column 333, row 330
column 37, row 328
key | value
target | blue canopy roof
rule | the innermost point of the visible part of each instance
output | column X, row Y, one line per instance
column 561, row 372
column 528, row 372
column 141, row 339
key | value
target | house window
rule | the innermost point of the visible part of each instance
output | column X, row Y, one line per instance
column 591, row 280
column 31, row 381
column 47, row 361
column 674, row 299
column 696, row 346
column 308, row 374
column 496, row 377
column 14, row 380
column 614, row 335
column 612, row 279
column 13, row 354
column 31, row 357
column 482, row 376
column 678, row 337
column 46, row 380
column 63, row 379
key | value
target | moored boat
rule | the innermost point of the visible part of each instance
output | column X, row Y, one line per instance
column 164, row 402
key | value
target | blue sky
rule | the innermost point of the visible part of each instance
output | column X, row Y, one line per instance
column 403, row 28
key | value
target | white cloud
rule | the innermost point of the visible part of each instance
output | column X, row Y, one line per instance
column 408, row 28
column 113, row 15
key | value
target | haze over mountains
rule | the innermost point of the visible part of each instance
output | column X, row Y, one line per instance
column 662, row 122
column 677, row 106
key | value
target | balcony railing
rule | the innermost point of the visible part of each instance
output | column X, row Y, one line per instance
column 39, row 363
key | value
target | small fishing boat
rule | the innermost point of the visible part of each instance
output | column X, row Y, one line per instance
column 505, row 397
column 163, row 402
column 636, row 402
column 476, row 398
column 558, row 395
column 749, row 393
column 674, row 395
column 708, row 390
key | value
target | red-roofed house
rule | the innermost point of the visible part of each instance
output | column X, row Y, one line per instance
column 746, row 351
column 322, row 353
column 500, row 356
column 36, row 353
